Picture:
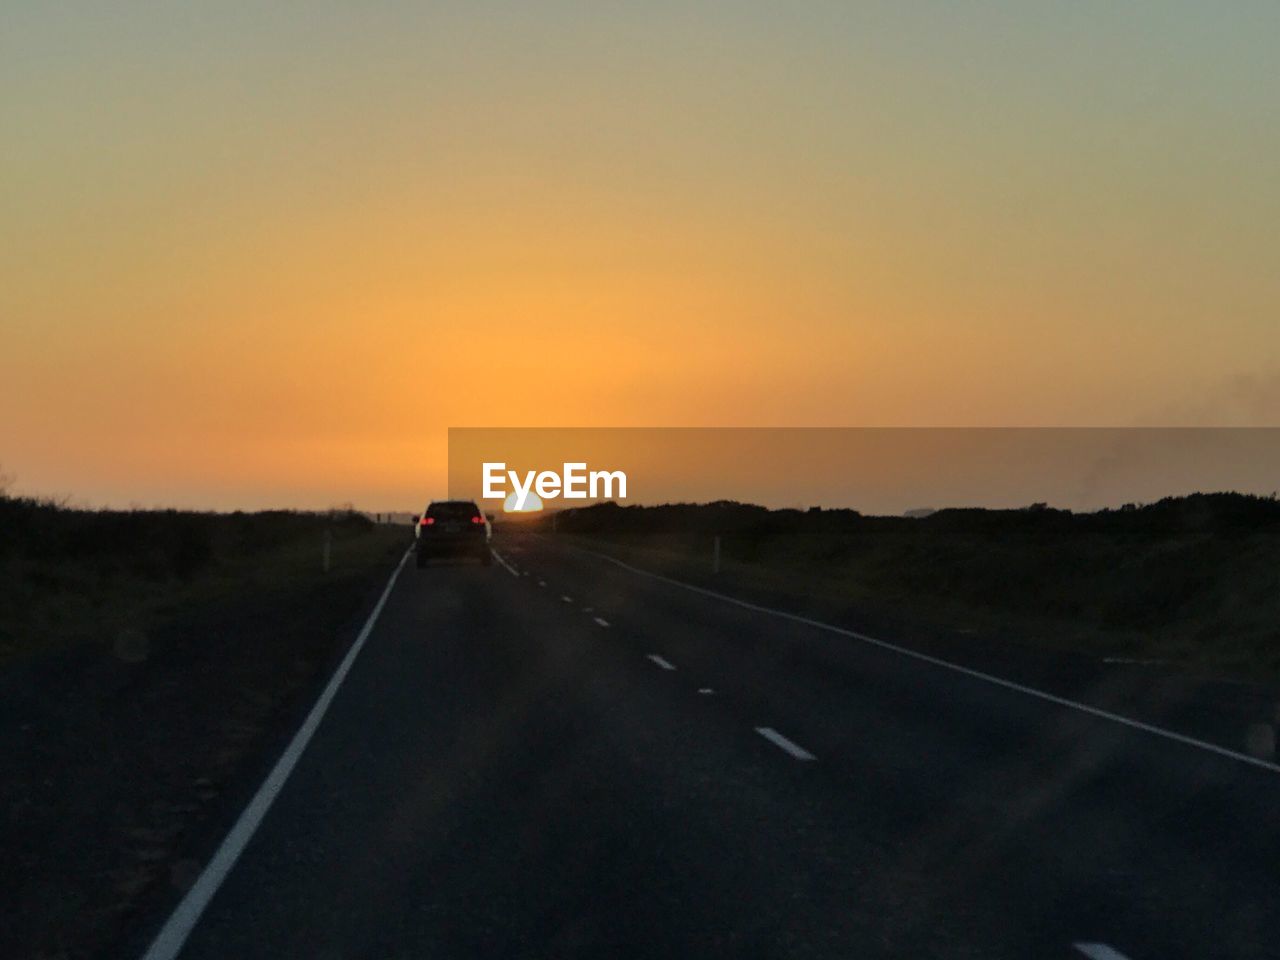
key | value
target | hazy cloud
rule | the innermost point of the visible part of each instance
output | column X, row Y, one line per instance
column 1245, row 400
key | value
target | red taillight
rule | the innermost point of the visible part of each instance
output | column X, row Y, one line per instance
column 477, row 519
column 427, row 521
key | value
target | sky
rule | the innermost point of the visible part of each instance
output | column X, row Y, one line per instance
column 875, row 470
column 267, row 254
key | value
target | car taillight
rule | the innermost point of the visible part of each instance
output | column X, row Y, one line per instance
column 477, row 519
column 427, row 521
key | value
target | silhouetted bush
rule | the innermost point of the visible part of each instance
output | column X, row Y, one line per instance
column 95, row 558
column 154, row 544
column 1207, row 561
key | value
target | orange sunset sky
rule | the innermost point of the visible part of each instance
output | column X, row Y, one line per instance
column 266, row 254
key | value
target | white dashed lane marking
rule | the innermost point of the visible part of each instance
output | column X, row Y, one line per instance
column 662, row 662
column 956, row 668
column 778, row 740
column 601, row 620
column 509, row 568
column 1100, row 951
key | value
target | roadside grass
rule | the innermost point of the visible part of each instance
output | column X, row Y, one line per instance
column 149, row 661
column 1193, row 581
column 71, row 577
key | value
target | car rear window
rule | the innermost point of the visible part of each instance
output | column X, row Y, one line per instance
column 453, row 511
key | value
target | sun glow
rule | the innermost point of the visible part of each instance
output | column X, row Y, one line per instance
column 532, row 503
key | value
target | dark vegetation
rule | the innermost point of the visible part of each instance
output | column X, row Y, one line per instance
column 1193, row 579
column 78, row 575
column 150, row 664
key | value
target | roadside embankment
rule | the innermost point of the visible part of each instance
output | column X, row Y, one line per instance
column 150, row 661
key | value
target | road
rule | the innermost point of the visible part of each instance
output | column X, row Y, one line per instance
column 558, row 757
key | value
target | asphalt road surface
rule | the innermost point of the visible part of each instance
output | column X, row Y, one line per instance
column 558, row 757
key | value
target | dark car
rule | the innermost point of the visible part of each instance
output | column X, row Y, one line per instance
column 453, row 528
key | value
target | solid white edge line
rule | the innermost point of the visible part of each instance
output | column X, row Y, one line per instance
column 778, row 740
column 664, row 663
column 948, row 665
column 601, row 620
column 1099, row 951
column 173, row 935
column 508, row 567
